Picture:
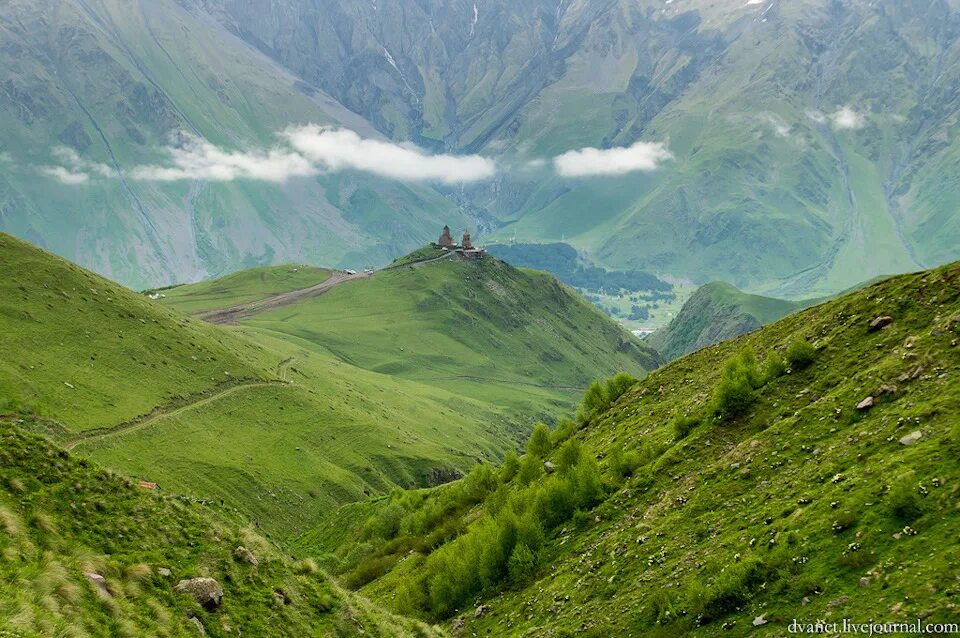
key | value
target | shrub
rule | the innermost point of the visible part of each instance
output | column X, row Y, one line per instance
column 624, row 464
column 567, row 456
column 521, row 564
column 539, row 443
column 594, row 398
column 800, row 354
column 531, row 468
column 774, row 367
column 564, row 430
column 617, row 385
column 510, row 467
column 683, row 425
column 904, row 502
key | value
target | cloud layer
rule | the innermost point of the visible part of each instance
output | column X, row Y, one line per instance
column 641, row 156
column 338, row 149
column 845, row 118
column 305, row 151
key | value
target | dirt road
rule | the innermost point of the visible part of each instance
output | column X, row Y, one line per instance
column 235, row 313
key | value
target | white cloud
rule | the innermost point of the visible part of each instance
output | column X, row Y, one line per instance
column 64, row 175
column 339, row 149
column 196, row 159
column 845, row 118
column 641, row 156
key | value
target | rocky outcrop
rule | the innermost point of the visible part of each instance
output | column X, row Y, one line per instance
column 206, row 591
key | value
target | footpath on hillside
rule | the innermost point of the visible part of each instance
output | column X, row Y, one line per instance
column 234, row 314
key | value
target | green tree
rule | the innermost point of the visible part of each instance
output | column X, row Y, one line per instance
column 539, row 444
column 522, row 563
column 510, row 467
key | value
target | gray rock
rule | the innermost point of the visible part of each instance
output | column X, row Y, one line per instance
column 759, row 620
column 99, row 584
column 864, row 581
column 911, row 438
column 549, row 467
column 878, row 323
column 205, row 591
column 246, row 555
column 480, row 611
column 164, row 571
column 866, row 404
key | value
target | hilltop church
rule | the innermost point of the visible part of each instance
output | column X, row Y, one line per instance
column 465, row 248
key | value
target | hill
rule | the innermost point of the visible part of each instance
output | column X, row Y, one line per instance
column 483, row 329
column 277, row 430
column 84, row 552
column 716, row 312
column 807, row 470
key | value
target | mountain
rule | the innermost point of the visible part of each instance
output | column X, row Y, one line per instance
column 845, row 172
column 716, row 312
column 97, row 95
column 86, row 552
column 803, row 471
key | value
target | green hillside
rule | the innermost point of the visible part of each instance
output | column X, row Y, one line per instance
column 241, row 287
column 277, row 429
column 517, row 339
column 805, row 471
column 716, row 312
column 65, row 523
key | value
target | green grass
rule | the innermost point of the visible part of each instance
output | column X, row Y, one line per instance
column 61, row 517
column 777, row 510
column 513, row 338
column 241, row 287
column 87, row 353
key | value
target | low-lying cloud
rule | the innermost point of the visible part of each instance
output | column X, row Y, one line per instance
column 196, row 159
column 338, row 149
column 845, row 118
column 306, row 151
column 585, row 162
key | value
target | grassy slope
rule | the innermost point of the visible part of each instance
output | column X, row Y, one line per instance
column 741, row 519
column 242, row 287
column 335, row 433
column 716, row 312
column 61, row 517
column 121, row 354
column 517, row 339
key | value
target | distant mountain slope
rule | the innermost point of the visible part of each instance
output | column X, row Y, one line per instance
column 66, row 524
column 813, row 142
column 109, row 85
column 481, row 328
column 805, row 471
column 717, row 312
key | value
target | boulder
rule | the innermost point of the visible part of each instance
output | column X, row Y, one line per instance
column 246, row 555
column 206, row 591
column 864, row 581
column 480, row 611
column 911, row 438
column 164, row 571
column 99, row 584
column 866, row 404
column 887, row 389
column 549, row 467
column 878, row 323
column 759, row 620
